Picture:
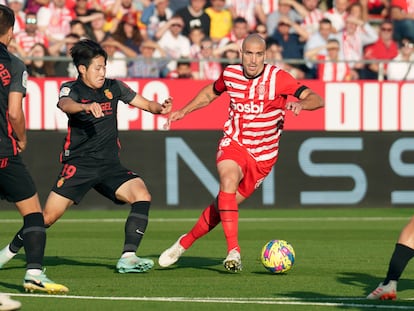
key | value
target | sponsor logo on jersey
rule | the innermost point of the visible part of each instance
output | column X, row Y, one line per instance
column 5, row 75
column 64, row 91
column 248, row 108
column 108, row 94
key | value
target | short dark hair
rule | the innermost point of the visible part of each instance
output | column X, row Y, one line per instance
column 84, row 51
column 7, row 19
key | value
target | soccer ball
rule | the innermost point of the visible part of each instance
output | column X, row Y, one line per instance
column 277, row 256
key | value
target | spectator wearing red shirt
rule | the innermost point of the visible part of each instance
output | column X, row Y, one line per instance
column 402, row 16
column 384, row 48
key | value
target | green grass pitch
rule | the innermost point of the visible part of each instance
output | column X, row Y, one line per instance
column 341, row 254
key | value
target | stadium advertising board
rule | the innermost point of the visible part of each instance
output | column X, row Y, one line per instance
column 351, row 106
column 358, row 151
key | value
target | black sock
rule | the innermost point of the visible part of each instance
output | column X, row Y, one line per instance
column 34, row 240
column 135, row 225
column 17, row 243
column 399, row 260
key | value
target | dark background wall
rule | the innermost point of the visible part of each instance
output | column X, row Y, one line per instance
column 322, row 169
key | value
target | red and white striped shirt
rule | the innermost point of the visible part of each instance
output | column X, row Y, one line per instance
column 332, row 71
column 257, row 108
column 26, row 41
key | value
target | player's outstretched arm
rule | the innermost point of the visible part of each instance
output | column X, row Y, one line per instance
column 152, row 106
column 308, row 100
column 202, row 99
column 68, row 105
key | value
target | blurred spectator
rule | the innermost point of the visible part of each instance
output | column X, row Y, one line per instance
column 95, row 25
column 151, row 63
column 117, row 63
column 261, row 30
column 384, row 48
column 196, row 36
column 221, row 20
column 154, row 15
column 208, row 67
column 274, row 53
column 251, row 10
column 177, row 5
column 81, row 8
column 128, row 33
column 30, row 35
column 194, row 16
column 65, row 68
column 54, row 20
column 239, row 31
column 353, row 38
column 16, row 49
column 402, row 16
column 377, row 7
column 18, row 8
column 292, row 44
column 33, row 6
column 270, row 6
column 312, row 17
column 172, row 41
column 337, row 14
column 121, row 8
column 316, row 40
column 39, row 67
column 76, row 26
column 402, row 69
column 230, row 54
column 183, row 70
column 330, row 66
column 358, row 10
column 289, row 8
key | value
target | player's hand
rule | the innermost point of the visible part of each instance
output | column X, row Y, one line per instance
column 174, row 116
column 166, row 106
column 295, row 107
column 95, row 109
column 21, row 145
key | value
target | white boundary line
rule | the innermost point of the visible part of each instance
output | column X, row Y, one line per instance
column 323, row 302
column 246, row 219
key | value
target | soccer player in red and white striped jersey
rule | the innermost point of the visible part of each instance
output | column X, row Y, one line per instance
column 250, row 144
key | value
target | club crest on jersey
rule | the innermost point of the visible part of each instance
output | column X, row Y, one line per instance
column 261, row 89
column 108, row 94
column 60, row 182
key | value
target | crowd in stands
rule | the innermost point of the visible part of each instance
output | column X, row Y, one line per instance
column 330, row 40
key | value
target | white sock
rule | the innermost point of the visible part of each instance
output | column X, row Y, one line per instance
column 127, row 254
column 35, row 272
column 9, row 253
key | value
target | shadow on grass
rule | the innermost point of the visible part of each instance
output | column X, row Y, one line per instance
column 368, row 282
column 193, row 262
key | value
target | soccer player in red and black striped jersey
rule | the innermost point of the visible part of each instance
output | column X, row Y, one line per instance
column 250, row 145
column 16, row 184
column 90, row 154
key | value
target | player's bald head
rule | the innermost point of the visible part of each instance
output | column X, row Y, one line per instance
column 253, row 39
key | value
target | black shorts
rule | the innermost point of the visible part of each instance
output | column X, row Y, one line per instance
column 78, row 177
column 16, row 183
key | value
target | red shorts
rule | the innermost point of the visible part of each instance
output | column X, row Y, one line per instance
column 254, row 172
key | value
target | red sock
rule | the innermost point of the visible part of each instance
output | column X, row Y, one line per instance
column 208, row 220
column 229, row 215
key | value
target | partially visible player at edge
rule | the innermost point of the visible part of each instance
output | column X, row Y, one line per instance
column 90, row 155
column 403, row 252
column 16, row 184
column 249, row 148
